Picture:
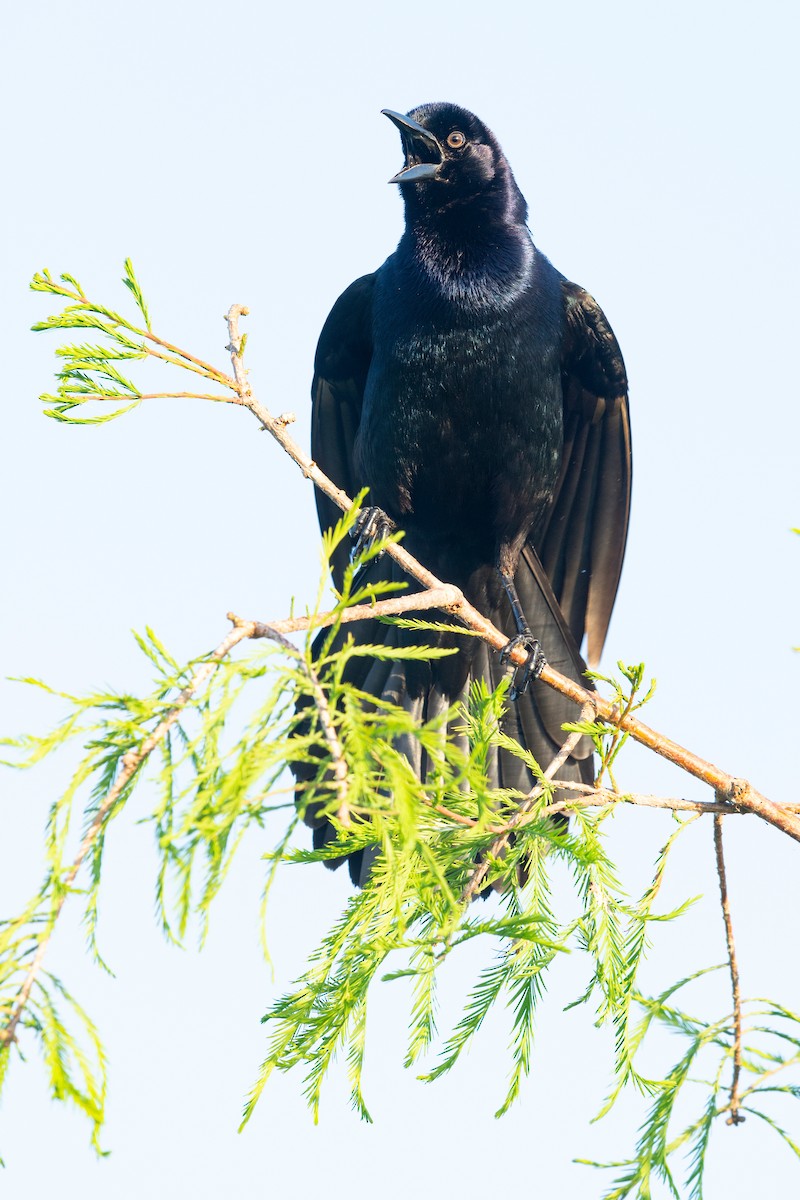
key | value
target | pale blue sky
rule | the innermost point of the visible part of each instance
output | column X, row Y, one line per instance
column 238, row 155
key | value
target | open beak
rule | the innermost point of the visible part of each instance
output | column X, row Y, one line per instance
column 423, row 153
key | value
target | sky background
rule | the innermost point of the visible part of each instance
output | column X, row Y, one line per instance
column 238, row 155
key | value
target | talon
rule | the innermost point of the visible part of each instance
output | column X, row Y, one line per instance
column 372, row 525
column 529, row 670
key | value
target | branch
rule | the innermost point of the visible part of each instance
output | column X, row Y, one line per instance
column 596, row 797
column 737, row 793
column 130, row 763
column 736, row 1117
column 603, row 798
column 162, row 396
column 446, row 597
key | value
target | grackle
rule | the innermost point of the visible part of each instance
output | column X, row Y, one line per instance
column 482, row 399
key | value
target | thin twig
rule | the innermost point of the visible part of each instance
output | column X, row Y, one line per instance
column 446, row 598
column 736, row 1117
column 596, row 797
column 152, row 396
column 191, row 362
column 601, row 798
column 214, row 376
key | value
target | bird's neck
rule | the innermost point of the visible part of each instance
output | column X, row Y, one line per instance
column 472, row 262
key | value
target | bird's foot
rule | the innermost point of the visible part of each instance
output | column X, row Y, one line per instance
column 372, row 525
column 529, row 670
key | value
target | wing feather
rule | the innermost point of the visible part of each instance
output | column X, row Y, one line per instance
column 337, row 392
column 582, row 542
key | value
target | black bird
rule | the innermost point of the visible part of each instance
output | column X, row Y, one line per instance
column 482, row 399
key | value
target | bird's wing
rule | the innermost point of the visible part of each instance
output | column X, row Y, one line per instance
column 340, row 371
column 582, row 544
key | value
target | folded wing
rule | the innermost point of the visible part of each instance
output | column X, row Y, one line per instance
column 582, row 542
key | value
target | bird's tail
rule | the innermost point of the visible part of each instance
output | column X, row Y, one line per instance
column 426, row 690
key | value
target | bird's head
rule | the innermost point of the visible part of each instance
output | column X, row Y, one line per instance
column 453, row 160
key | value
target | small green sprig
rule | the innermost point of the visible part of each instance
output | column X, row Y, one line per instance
column 770, row 1067
column 627, row 698
column 91, row 371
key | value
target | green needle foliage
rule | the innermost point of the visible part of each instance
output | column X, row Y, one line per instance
column 214, row 737
column 91, row 371
column 701, row 1075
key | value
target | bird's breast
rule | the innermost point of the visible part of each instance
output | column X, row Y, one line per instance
column 461, row 428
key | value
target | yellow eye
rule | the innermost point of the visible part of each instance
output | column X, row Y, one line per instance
column 456, row 140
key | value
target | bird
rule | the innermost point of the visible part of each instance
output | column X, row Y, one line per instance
column 482, row 399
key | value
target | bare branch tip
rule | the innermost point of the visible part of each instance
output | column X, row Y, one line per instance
column 240, row 622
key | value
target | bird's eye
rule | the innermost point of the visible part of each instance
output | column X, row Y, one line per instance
column 456, row 140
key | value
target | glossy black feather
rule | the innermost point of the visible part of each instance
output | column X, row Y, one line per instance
column 482, row 399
